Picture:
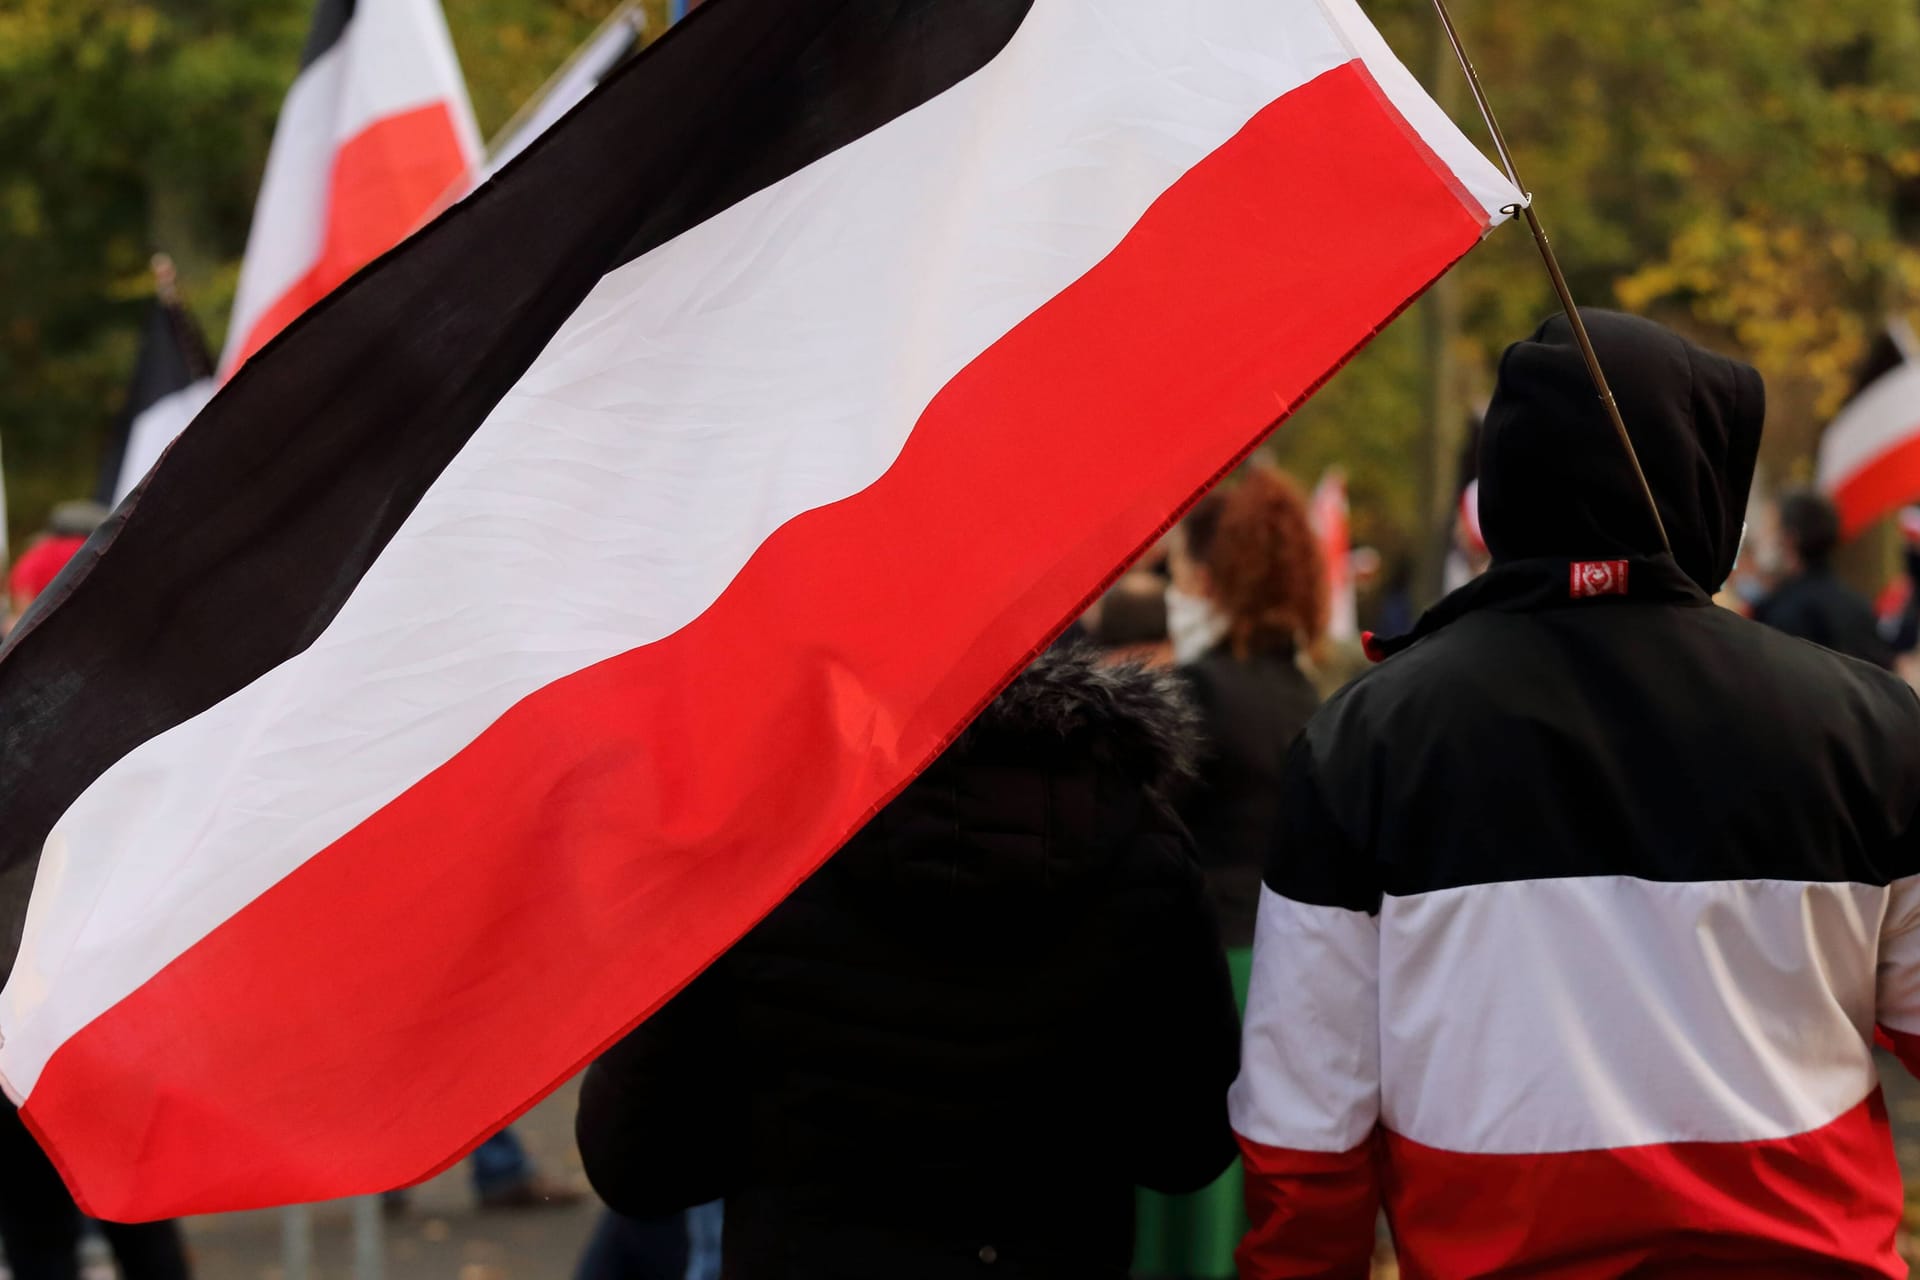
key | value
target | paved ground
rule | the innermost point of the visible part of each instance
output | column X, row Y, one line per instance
column 442, row 1236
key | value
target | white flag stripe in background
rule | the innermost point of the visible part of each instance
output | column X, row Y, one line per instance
column 1870, row 455
column 1331, row 520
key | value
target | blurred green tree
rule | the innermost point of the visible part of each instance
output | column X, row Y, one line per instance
column 1748, row 170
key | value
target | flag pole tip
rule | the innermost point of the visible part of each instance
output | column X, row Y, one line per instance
column 164, row 276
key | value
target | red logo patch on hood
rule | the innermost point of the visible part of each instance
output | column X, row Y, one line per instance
column 1599, row 578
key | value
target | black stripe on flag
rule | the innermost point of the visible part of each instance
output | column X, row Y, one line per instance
column 236, row 553
column 173, row 356
column 330, row 19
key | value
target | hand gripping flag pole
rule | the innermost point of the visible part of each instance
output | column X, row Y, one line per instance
column 1525, row 210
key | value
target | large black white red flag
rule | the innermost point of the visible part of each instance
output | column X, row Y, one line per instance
column 1870, row 453
column 375, row 135
column 519, row 629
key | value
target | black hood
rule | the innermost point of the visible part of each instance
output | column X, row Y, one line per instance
column 1554, row 481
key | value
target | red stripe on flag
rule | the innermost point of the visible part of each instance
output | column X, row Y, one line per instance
column 1880, row 487
column 1793, row 1207
column 422, row 980
column 386, row 181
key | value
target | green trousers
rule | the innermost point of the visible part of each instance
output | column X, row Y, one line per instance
column 1194, row 1236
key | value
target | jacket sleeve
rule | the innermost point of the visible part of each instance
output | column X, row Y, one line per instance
column 1182, row 1037
column 1898, row 997
column 657, row 1110
column 1306, row 1106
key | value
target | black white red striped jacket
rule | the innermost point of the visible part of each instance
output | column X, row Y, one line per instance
column 1586, row 909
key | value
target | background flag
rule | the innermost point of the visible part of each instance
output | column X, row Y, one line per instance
column 558, row 595
column 617, row 40
column 172, row 381
column 1331, row 520
column 376, row 134
column 1870, row 455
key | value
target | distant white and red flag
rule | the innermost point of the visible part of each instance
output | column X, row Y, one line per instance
column 523, row 626
column 1332, row 522
column 1870, row 454
column 172, row 381
column 376, row 135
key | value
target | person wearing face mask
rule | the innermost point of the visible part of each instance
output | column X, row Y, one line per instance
column 1249, row 596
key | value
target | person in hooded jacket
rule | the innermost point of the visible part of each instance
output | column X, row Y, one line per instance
column 1591, row 895
column 960, row 1046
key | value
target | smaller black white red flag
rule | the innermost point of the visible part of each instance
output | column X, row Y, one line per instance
column 1870, row 454
column 376, row 134
column 172, row 381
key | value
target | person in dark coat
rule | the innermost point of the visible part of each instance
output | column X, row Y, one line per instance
column 1591, row 894
column 1811, row 602
column 959, row 1047
column 1246, row 561
column 1249, row 596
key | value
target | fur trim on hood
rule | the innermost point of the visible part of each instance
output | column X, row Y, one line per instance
column 1141, row 716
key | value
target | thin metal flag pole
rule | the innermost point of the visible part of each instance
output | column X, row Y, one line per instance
column 1525, row 210
column 629, row 15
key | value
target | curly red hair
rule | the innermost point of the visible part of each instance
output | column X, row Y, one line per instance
column 1269, row 576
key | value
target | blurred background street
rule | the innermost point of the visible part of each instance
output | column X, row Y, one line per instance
column 442, row 1235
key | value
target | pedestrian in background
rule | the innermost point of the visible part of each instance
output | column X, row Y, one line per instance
column 1250, row 589
column 1810, row 601
column 1131, row 621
